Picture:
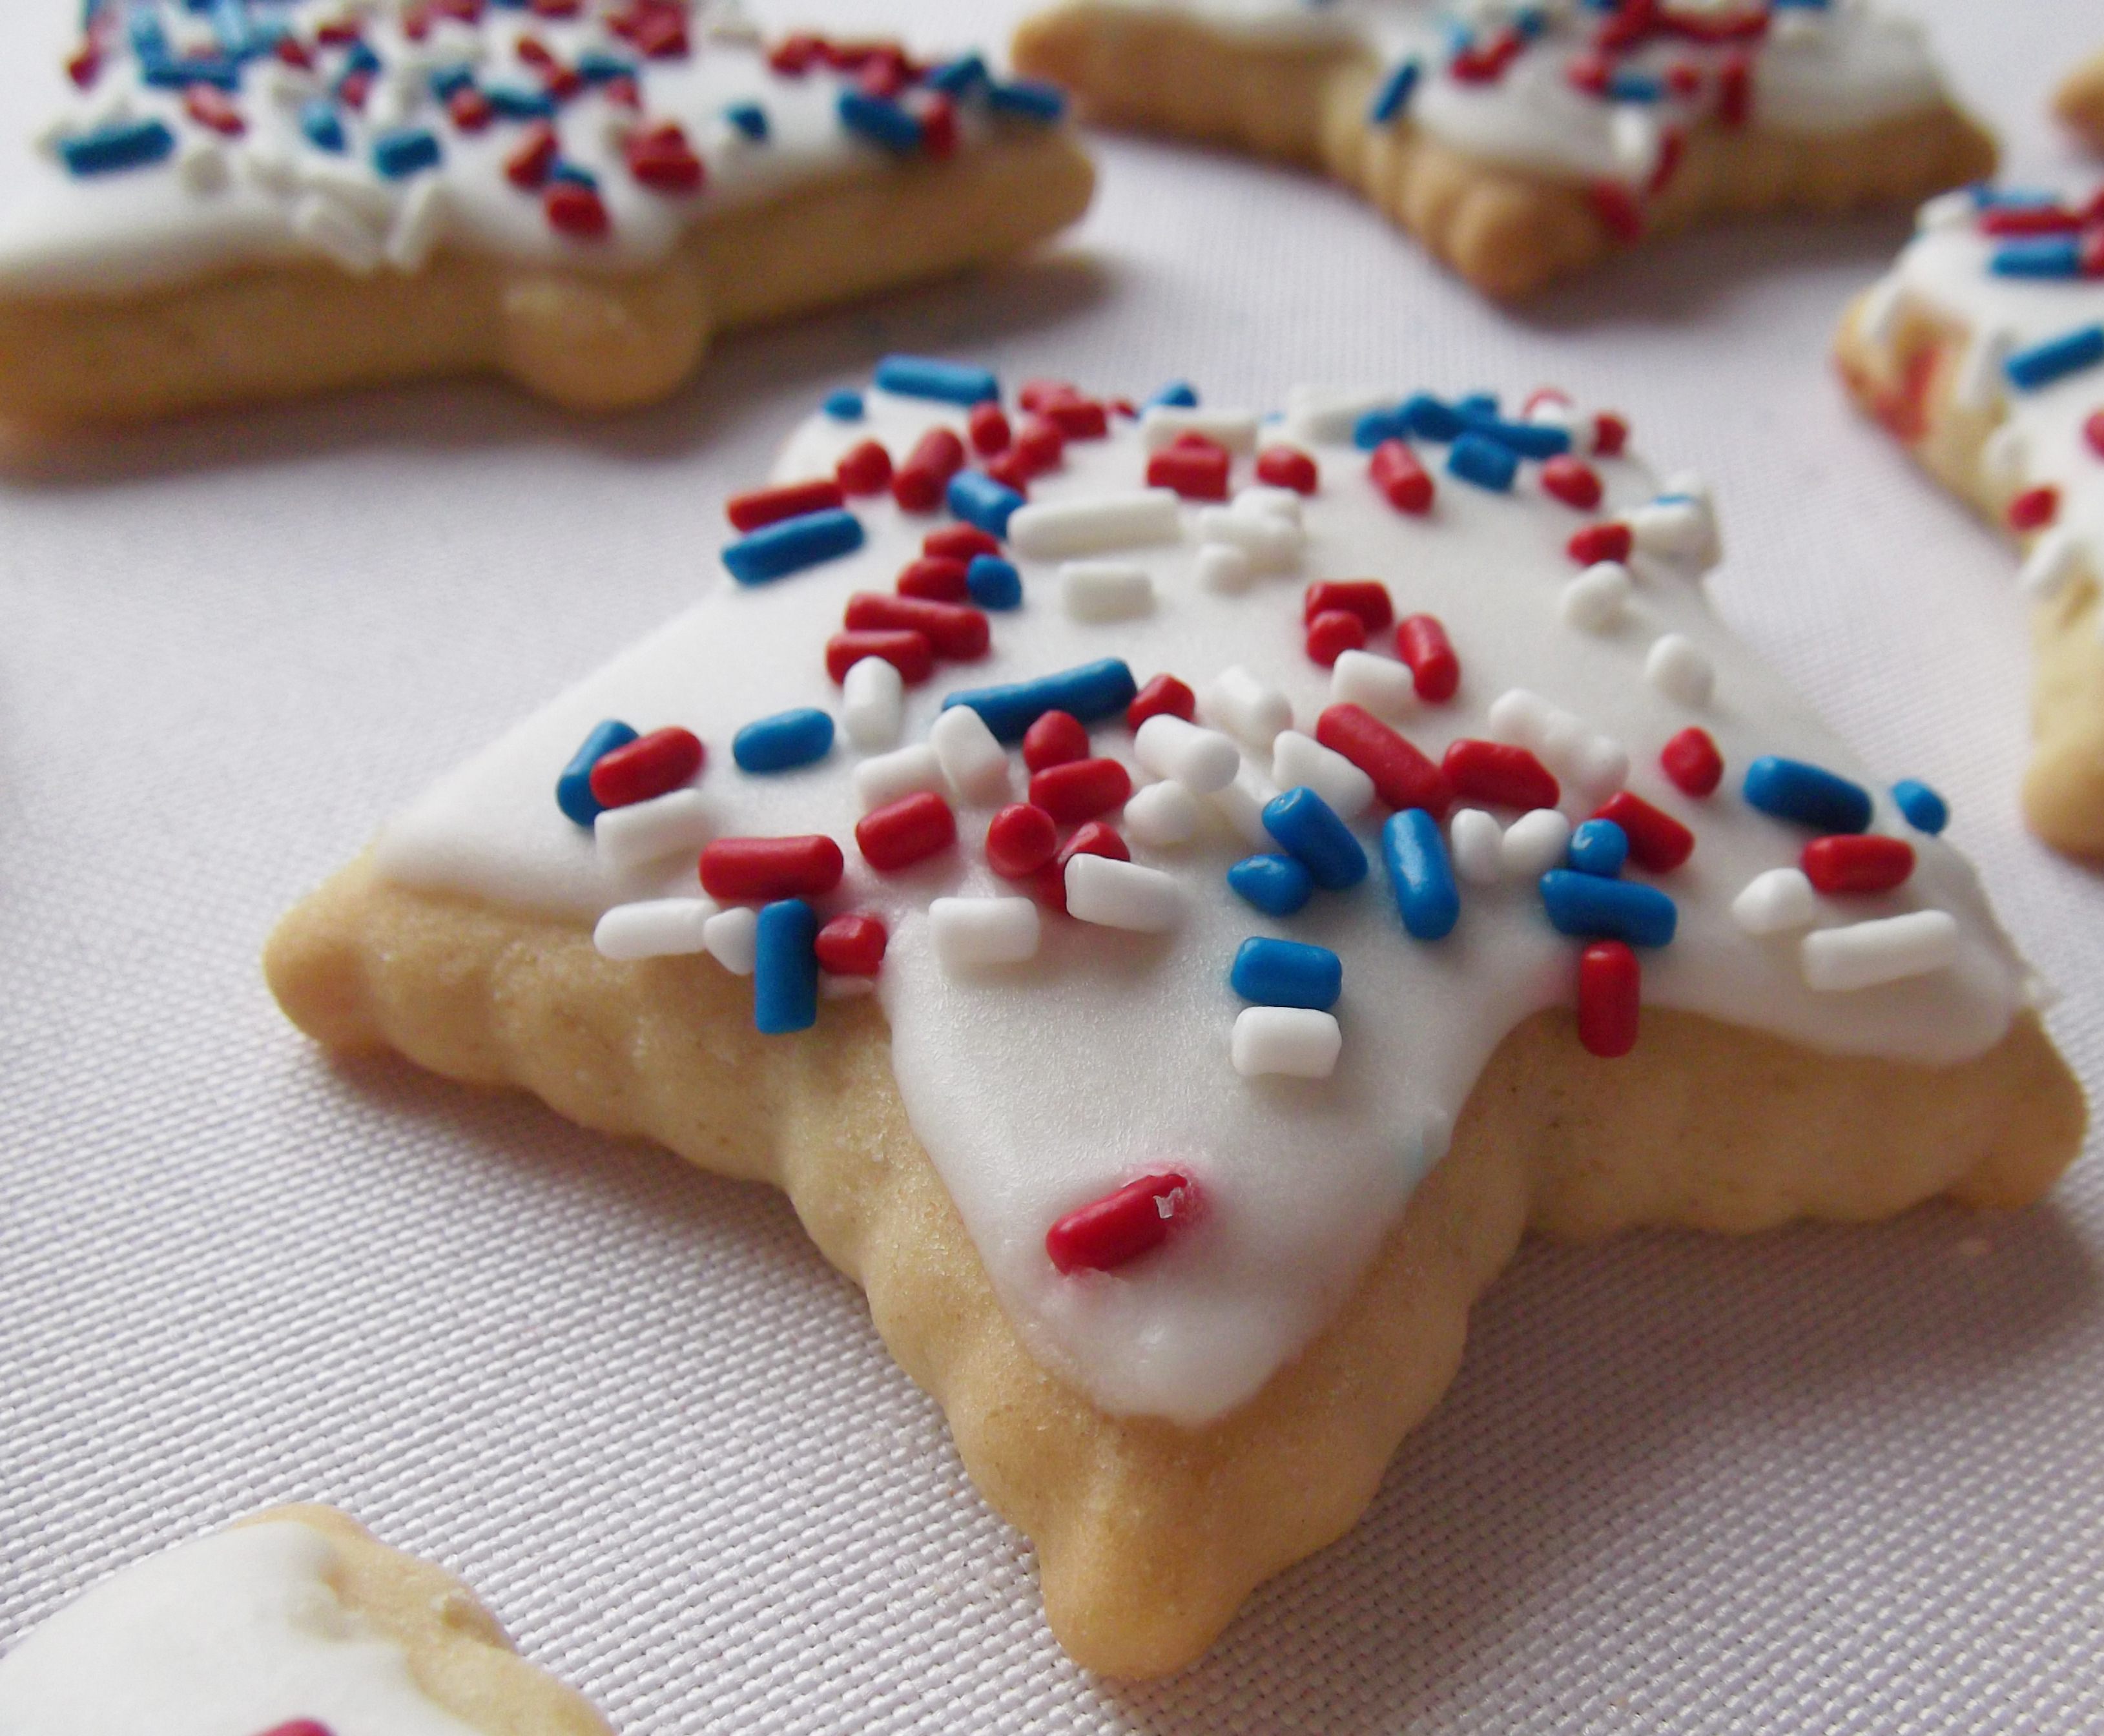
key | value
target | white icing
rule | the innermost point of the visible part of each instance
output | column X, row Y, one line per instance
column 272, row 195
column 1094, row 1056
column 230, row 1635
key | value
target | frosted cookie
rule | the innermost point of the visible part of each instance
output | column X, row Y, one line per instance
column 1983, row 350
column 295, row 1622
column 2080, row 100
column 1172, row 898
column 1523, row 142
column 262, row 197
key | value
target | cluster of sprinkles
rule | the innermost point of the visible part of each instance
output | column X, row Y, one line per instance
column 1655, row 69
column 377, row 121
column 1489, row 810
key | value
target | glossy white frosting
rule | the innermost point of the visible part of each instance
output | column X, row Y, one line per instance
column 1039, row 1086
column 232, row 1635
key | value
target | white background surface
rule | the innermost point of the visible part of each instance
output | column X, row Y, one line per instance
column 1824, row 1479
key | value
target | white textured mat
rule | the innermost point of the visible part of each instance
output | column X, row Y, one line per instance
column 1826, row 1479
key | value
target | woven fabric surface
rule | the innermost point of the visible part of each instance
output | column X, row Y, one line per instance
column 1824, row 1479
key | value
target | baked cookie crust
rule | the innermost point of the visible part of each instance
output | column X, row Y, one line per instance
column 2079, row 103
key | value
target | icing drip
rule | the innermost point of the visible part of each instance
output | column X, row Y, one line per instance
column 1039, row 1086
column 230, row 1635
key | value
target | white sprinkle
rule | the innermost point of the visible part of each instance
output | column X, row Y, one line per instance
column 1298, row 759
column 1296, row 1040
column 1880, row 317
column 1236, row 430
column 733, row 939
column 1681, row 531
column 1952, row 210
column 1260, row 496
column 872, row 703
column 886, row 777
column 1122, row 894
column 1105, row 590
column 1050, row 530
column 201, row 164
column 1633, row 136
column 1163, row 814
column 1273, row 542
column 970, row 931
column 1980, row 376
column 1680, row 670
column 2006, row 456
column 1477, row 846
column 1245, row 707
column 1202, row 761
column 1593, row 601
column 1535, row 843
column 2055, row 562
column 1797, row 25
column 331, row 227
column 1322, row 415
column 1552, row 410
column 1241, row 804
column 1865, row 955
column 1380, row 684
column 657, row 928
column 348, row 180
column 1598, row 765
column 836, row 988
column 973, row 761
column 671, row 824
column 269, row 167
column 1224, row 568
column 1775, row 901
column 1519, row 716
column 421, row 226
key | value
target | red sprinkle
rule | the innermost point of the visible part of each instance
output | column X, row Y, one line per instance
column 662, row 160
column 1094, row 839
column 1599, row 542
column 749, row 511
column 989, row 430
column 1617, row 209
column 1421, row 642
column 2035, row 508
column 1076, row 418
column 1041, row 446
column 1610, row 998
column 952, row 629
column 1055, row 739
column 575, row 210
column 864, row 468
column 1164, row 696
column 1734, row 93
column 469, row 109
column 2092, row 431
column 299, row 1727
column 1366, row 598
column 1020, row 840
column 1010, row 471
column 936, row 578
column 772, row 867
column 1611, row 434
column 1867, row 863
column 1287, row 467
column 648, row 766
column 209, row 106
column 1110, row 1232
column 902, row 832
column 1334, row 633
column 1080, row 789
column 2029, row 220
column 1403, row 777
column 936, row 457
column 909, row 653
column 1572, row 480
column 1690, row 759
column 527, row 166
column 959, row 542
column 852, row 945
column 1658, row 841
column 1404, row 482
column 1499, row 774
column 1198, row 470
column 938, row 116
column 83, row 64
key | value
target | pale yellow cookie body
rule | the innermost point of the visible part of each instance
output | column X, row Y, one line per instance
column 2079, row 103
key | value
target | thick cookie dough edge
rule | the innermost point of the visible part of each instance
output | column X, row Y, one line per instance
column 1150, row 1536
column 2079, row 103
column 458, row 1654
column 1908, row 383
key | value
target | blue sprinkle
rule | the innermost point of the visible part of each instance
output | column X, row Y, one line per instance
column 946, row 382
column 777, row 549
column 2046, row 255
column 785, row 968
column 878, row 119
column 221, row 70
column 1309, row 826
column 359, row 58
column 981, row 501
column 1286, row 973
column 1276, row 884
column 1791, row 790
column 1925, row 810
column 1476, row 405
column 1530, row 439
column 1428, row 419
column 783, row 742
column 1988, row 197
column 994, row 583
column 397, row 155
column 1419, row 874
column 750, row 118
column 573, row 793
column 1376, row 427
column 1028, row 97
column 127, row 145
column 1091, row 691
column 1394, row 95
column 323, row 125
column 2057, row 358
column 514, row 104
column 1635, row 87
column 596, row 66
column 955, row 78
column 562, row 169
column 449, row 81
column 1599, row 846
column 1488, row 463
column 1589, row 907
column 844, row 405
column 150, row 40
column 1178, row 395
